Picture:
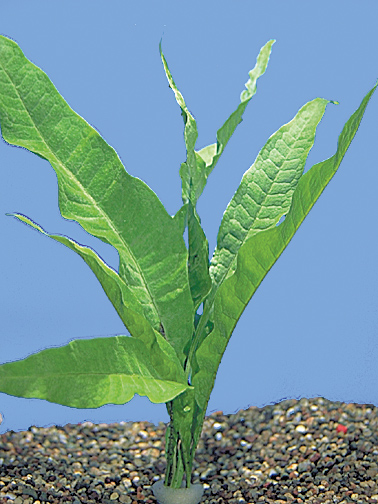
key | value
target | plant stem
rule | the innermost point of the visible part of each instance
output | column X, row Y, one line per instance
column 175, row 466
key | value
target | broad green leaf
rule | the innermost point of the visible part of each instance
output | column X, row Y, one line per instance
column 212, row 153
column 90, row 373
column 267, row 187
column 255, row 258
column 96, row 191
column 193, row 179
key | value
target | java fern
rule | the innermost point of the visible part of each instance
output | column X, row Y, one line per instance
column 173, row 352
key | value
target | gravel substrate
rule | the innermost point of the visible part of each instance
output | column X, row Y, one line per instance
column 307, row 451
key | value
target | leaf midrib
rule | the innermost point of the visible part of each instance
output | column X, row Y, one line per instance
column 63, row 375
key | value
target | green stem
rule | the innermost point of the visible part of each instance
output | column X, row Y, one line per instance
column 179, row 446
column 175, row 467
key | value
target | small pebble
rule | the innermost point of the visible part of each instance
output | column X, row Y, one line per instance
column 307, row 451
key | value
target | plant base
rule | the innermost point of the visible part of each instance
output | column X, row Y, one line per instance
column 167, row 495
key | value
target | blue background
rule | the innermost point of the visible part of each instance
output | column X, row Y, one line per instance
column 311, row 328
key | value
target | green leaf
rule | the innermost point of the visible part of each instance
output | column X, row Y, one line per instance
column 126, row 304
column 197, row 168
column 263, row 197
column 93, row 372
column 193, row 179
column 255, row 258
column 192, row 176
column 96, row 191
column 267, row 187
column 212, row 153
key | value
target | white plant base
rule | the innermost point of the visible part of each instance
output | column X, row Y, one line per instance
column 167, row 495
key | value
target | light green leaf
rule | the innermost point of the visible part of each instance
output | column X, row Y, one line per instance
column 267, row 187
column 263, row 197
column 90, row 373
column 192, row 176
column 255, row 258
column 212, row 153
column 126, row 304
column 198, row 166
column 193, row 179
column 96, row 191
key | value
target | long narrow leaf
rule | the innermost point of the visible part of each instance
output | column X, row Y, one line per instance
column 255, row 258
column 192, row 176
column 90, row 373
column 199, row 164
column 193, row 179
column 96, row 191
column 212, row 153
